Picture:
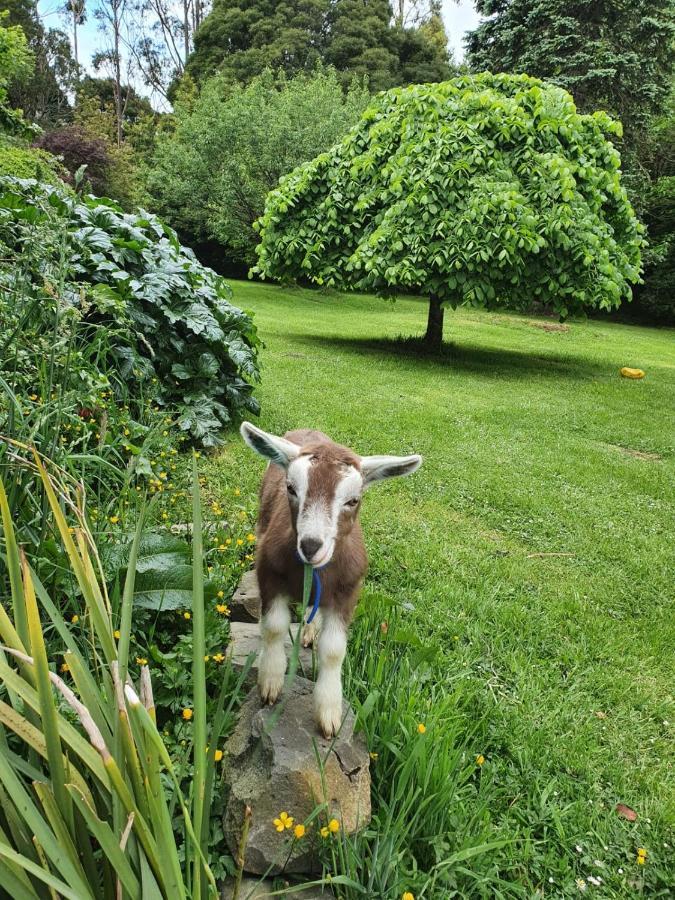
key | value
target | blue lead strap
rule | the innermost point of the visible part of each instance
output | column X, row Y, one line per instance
column 316, row 586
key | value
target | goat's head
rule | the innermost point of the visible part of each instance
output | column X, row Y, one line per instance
column 324, row 484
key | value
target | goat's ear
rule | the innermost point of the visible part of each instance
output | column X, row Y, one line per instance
column 277, row 449
column 375, row 468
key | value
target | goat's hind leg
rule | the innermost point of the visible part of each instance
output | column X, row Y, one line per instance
column 274, row 627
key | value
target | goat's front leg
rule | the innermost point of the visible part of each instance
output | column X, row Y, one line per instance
column 328, row 689
column 274, row 627
column 310, row 630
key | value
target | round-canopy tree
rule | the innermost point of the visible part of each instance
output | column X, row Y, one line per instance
column 487, row 189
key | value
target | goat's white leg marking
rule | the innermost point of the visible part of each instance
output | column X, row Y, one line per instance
column 310, row 631
column 272, row 663
column 328, row 690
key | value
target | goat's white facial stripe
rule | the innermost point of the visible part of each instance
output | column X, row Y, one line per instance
column 318, row 517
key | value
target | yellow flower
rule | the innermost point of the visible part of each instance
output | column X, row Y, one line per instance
column 127, row 432
column 421, row 728
column 223, row 609
column 165, row 515
column 373, row 756
column 299, row 831
column 324, row 832
column 480, row 759
column 237, row 492
column 218, row 755
column 65, row 667
column 141, row 660
column 239, row 542
column 75, row 619
column 116, row 634
column 114, row 520
column 250, row 537
column 284, row 821
column 408, row 896
column 218, row 657
column 221, row 594
column 187, row 714
column 186, row 615
column 333, row 826
column 207, row 658
column 641, row 856
column 228, row 541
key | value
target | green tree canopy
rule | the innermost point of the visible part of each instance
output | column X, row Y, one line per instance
column 615, row 55
column 231, row 145
column 241, row 38
column 487, row 189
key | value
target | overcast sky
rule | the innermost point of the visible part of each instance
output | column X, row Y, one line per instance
column 459, row 16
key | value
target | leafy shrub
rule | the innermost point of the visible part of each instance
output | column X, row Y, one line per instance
column 28, row 162
column 166, row 320
column 76, row 148
column 487, row 189
column 230, row 147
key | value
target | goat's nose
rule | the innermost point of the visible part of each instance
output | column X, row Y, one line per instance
column 310, row 547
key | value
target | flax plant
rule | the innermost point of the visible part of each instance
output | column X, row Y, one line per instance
column 87, row 786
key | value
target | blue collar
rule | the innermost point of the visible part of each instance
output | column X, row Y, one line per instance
column 316, row 588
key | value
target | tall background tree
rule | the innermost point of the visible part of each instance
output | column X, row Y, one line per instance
column 489, row 189
column 43, row 96
column 241, row 38
column 230, row 146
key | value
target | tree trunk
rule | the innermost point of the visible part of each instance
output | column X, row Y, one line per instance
column 433, row 339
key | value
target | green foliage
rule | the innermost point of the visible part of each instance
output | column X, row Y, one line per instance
column 109, row 809
column 488, row 189
column 28, row 162
column 614, row 55
column 43, row 95
column 159, row 318
column 210, row 177
column 242, row 38
column 16, row 65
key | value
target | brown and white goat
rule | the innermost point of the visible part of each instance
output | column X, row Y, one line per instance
column 309, row 513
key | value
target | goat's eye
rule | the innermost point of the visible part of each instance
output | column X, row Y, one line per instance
column 350, row 504
column 291, row 490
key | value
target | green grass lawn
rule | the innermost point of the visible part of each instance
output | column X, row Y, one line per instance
column 534, row 548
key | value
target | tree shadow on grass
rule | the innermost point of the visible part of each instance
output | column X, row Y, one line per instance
column 467, row 357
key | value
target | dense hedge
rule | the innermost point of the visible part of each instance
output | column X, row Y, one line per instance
column 168, row 317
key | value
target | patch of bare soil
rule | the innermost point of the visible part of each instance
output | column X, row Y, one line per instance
column 550, row 326
column 636, row 454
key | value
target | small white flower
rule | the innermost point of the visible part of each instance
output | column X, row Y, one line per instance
column 599, row 863
column 579, row 848
column 581, row 884
column 620, row 871
column 596, row 882
column 550, row 880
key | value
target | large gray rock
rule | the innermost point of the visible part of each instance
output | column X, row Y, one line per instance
column 245, row 639
column 245, row 604
column 255, row 889
column 277, row 770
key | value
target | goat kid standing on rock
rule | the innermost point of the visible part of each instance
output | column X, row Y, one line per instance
column 309, row 514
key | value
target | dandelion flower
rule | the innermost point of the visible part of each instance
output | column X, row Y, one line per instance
column 299, row 831
column 75, row 619
column 65, row 667
column 220, row 594
column 218, row 657
column 116, row 634
column 641, row 856
column 324, row 832
column 187, row 714
column 421, row 728
column 333, row 826
column 408, row 896
column 480, row 759
column 218, row 755
column 250, row 537
column 223, row 609
column 237, row 492
column 186, row 615
column 141, row 660
column 239, row 542
column 373, row 756
column 114, row 520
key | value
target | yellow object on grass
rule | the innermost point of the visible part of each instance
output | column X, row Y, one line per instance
column 631, row 373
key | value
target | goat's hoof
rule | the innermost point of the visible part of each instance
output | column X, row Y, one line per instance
column 270, row 688
column 309, row 633
column 329, row 721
